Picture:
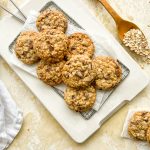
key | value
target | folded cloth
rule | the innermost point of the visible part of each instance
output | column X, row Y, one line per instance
column 10, row 118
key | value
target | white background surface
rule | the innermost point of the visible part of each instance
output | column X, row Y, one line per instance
column 125, row 91
column 98, row 139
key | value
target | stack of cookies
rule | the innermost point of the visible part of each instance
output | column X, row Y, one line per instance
column 139, row 126
column 67, row 59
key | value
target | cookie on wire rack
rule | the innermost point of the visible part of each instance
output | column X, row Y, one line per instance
column 51, row 45
column 138, row 125
column 50, row 74
column 24, row 49
column 52, row 19
column 109, row 72
column 80, row 44
column 78, row 71
column 54, row 32
column 80, row 100
column 148, row 135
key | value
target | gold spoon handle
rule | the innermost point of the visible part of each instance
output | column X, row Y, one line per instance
column 112, row 12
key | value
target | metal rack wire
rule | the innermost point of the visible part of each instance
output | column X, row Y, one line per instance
column 21, row 19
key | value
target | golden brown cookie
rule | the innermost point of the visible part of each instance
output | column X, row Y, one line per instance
column 49, row 73
column 78, row 71
column 80, row 44
column 148, row 135
column 109, row 72
column 24, row 47
column 52, row 19
column 138, row 125
column 51, row 45
column 54, row 32
column 80, row 100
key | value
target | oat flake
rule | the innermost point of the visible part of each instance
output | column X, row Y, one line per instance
column 136, row 41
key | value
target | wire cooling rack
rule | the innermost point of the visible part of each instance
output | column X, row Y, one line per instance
column 86, row 115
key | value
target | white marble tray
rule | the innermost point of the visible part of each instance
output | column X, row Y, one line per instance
column 74, row 124
column 73, row 27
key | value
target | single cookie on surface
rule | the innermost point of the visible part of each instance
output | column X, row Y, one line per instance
column 80, row 100
column 78, row 71
column 52, row 19
column 138, row 125
column 49, row 73
column 109, row 72
column 80, row 44
column 24, row 47
column 51, row 45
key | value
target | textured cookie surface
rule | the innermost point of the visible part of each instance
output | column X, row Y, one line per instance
column 80, row 44
column 78, row 71
column 52, row 19
column 109, row 72
column 80, row 100
column 24, row 47
column 148, row 135
column 138, row 125
column 50, row 31
column 49, row 73
column 51, row 45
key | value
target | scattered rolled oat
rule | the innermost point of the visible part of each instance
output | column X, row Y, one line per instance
column 136, row 41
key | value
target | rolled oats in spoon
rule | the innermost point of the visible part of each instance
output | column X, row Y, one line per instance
column 136, row 41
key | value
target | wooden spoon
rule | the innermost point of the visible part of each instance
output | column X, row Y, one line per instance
column 122, row 25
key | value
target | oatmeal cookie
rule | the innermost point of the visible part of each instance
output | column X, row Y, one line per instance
column 78, row 71
column 138, row 125
column 80, row 100
column 52, row 19
column 51, row 45
column 24, row 47
column 109, row 72
column 80, row 44
column 50, row 73
column 148, row 135
column 49, row 31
